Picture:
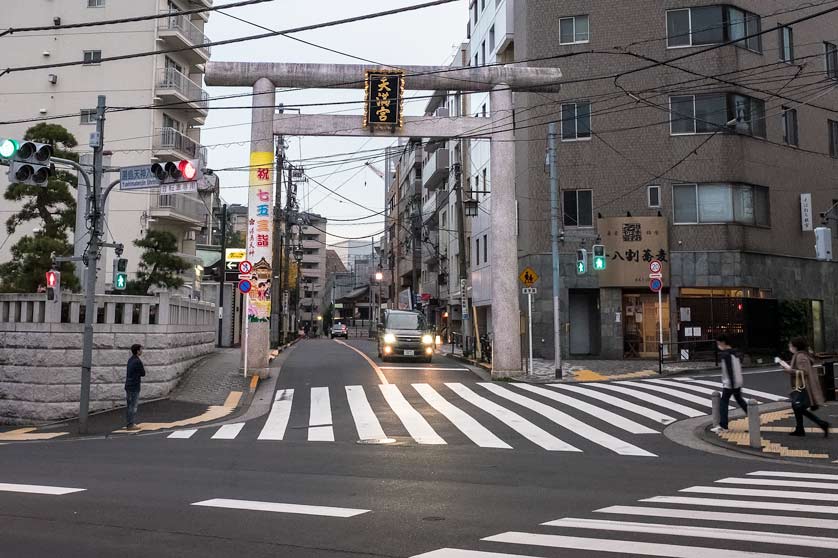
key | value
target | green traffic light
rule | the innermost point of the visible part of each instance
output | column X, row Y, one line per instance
column 8, row 148
column 580, row 268
column 120, row 281
column 599, row 263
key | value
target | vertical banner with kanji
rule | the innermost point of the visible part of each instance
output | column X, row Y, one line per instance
column 260, row 235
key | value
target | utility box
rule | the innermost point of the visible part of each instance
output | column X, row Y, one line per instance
column 823, row 244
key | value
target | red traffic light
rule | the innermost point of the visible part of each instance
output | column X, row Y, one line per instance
column 52, row 279
column 187, row 169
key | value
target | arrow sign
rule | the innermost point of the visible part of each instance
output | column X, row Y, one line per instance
column 231, row 266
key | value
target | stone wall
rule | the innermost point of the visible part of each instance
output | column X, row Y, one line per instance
column 41, row 354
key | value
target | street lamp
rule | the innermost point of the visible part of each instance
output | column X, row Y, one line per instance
column 379, row 277
column 470, row 207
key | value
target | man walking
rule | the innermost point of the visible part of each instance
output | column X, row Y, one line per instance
column 135, row 371
column 732, row 381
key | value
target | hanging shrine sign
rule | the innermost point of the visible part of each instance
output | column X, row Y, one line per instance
column 259, row 236
column 384, row 98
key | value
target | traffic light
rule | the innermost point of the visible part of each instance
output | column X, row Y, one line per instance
column 823, row 244
column 185, row 170
column 120, row 274
column 29, row 162
column 581, row 261
column 54, row 285
column 599, row 257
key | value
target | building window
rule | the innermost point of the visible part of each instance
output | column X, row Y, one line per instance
column 486, row 187
column 474, row 11
column 831, row 51
column 483, row 51
column 477, row 250
column 492, row 38
column 485, row 248
column 482, row 5
column 709, row 25
column 721, row 203
column 833, row 138
column 786, row 44
column 578, row 208
column 576, row 121
column 653, row 195
column 88, row 116
column 92, row 56
column 789, row 117
column 476, row 60
column 483, row 112
column 95, row 3
column 708, row 113
column 573, row 30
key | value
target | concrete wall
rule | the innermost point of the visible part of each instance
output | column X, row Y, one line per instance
column 40, row 355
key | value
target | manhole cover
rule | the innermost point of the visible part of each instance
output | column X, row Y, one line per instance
column 377, row 441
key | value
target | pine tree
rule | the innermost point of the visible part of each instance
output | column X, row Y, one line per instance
column 53, row 207
column 160, row 266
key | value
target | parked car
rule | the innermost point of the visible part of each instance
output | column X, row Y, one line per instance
column 405, row 334
column 339, row 330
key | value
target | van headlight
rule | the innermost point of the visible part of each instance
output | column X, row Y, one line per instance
column 389, row 338
column 427, row 339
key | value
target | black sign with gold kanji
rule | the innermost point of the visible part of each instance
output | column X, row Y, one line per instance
column 384, row 98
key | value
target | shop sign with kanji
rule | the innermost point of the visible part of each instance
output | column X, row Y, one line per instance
column 631, row 243
column 384, row 98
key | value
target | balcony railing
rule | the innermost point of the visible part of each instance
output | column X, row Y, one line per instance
column 435, row 170
column 190, row 32
column 170, row 139
column 179, row 206
column 189, row 91
column 429, row 208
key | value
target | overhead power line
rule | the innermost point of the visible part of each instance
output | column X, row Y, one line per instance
column 162, row 15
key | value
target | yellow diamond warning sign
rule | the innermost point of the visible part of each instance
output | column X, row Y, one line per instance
column 528, row 277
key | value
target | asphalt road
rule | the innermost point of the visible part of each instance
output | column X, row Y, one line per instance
column 466, row 461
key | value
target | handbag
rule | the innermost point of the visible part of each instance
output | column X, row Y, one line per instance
column 800, row 395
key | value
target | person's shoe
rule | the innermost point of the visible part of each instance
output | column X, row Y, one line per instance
column 800, row 433
column 132, row 427
column 718, row 429
column 825, row 428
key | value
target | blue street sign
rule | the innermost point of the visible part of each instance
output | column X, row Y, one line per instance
column 655, row 285
column 245, row 286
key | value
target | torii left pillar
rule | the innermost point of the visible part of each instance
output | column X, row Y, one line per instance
column 260, row 230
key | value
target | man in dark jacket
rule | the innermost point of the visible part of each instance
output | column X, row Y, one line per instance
column 135, row 371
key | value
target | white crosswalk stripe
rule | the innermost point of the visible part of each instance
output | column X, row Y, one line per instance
column 415, row 423
column 687, row 527
column 563, row 419
column 476, row 432
column 616, row 416
column 787, row 482
column 746, row 392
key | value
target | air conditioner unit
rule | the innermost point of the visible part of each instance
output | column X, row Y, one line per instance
column 53, row 79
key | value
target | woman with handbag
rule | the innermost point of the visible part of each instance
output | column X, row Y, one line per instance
column 804, row 382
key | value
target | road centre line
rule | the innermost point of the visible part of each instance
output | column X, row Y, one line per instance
column 39, row 489
column 371, row 362
column 620, row 546
column 276, row 507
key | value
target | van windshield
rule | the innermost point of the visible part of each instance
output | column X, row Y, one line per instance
column 406, row 321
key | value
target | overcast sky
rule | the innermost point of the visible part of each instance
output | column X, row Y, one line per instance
column 430, row 37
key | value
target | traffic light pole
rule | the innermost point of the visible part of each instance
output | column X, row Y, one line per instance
column 555, row 215
column 92, row 261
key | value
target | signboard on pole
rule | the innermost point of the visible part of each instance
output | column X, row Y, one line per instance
column 179, row 188
column 384, row 98
column 137, row 177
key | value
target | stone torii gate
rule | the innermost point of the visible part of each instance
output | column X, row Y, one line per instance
column 499, row 81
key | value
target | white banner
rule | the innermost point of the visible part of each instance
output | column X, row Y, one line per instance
column 806, row 222
column 178, row 188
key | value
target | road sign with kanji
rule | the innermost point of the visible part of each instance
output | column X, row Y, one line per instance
column 528, row 277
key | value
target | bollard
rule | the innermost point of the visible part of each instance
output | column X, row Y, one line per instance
column 717, row 398
column 753, row 424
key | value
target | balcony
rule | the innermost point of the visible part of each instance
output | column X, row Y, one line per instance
column 179, row 32
column 183, row 208
column 435, row 170
column 170, row 144
column 175, row 87
column 429, row 212
column 312, row 244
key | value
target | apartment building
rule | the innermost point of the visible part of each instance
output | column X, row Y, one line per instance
column 166, row 88
column 312, row 267
column 718, row 165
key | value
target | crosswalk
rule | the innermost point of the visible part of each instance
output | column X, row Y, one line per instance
column 621, row 418
column 763, row 524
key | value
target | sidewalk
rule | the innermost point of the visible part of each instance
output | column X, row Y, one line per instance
column 580, row 370
column 775, row 425
column 212, row 389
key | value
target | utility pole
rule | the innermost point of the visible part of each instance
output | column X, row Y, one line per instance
column 369, row 282
column 276, row 293
column 462, row 265
column 289, row 201
column 223, row 273
column 97, row 141
column 555, row 215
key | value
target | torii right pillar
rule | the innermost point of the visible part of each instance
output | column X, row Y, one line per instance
column 506, row 311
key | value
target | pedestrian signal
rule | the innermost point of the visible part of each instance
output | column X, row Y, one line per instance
column 599, row 257
column 581, row 261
